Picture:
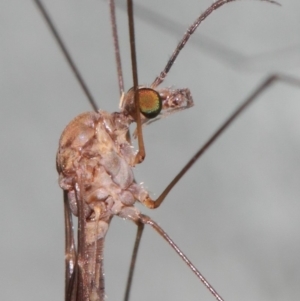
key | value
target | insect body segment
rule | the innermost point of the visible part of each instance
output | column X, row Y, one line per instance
column 94, row 154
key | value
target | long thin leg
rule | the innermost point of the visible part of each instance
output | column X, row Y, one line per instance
column 140, row 228
column 147, row 220
column 116, row 45
column 66, row 53
column 141, row 151
column 188, row 34
column 263, row 86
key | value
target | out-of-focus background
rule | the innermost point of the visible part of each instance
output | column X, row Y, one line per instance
column 236, row 214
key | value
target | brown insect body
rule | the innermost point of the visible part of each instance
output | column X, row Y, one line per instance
column 94, row 161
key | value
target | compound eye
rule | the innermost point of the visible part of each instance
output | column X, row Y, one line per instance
column 150, row 102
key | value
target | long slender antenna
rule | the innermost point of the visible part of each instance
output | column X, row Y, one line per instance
column 66, row 53
column 116, row 45
column 141, row 152
column 188, row 34
column 211, row 47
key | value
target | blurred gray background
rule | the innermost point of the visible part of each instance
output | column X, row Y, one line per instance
column 236, row 214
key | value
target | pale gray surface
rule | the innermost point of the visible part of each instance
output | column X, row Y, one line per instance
column 236, row 214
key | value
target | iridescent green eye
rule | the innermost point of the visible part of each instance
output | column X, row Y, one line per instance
column 150, row 102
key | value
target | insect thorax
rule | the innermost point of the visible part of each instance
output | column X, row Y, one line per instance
column 95, row 160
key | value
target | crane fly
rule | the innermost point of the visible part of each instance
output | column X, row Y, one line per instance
column 198, row 197
column 95, row 160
